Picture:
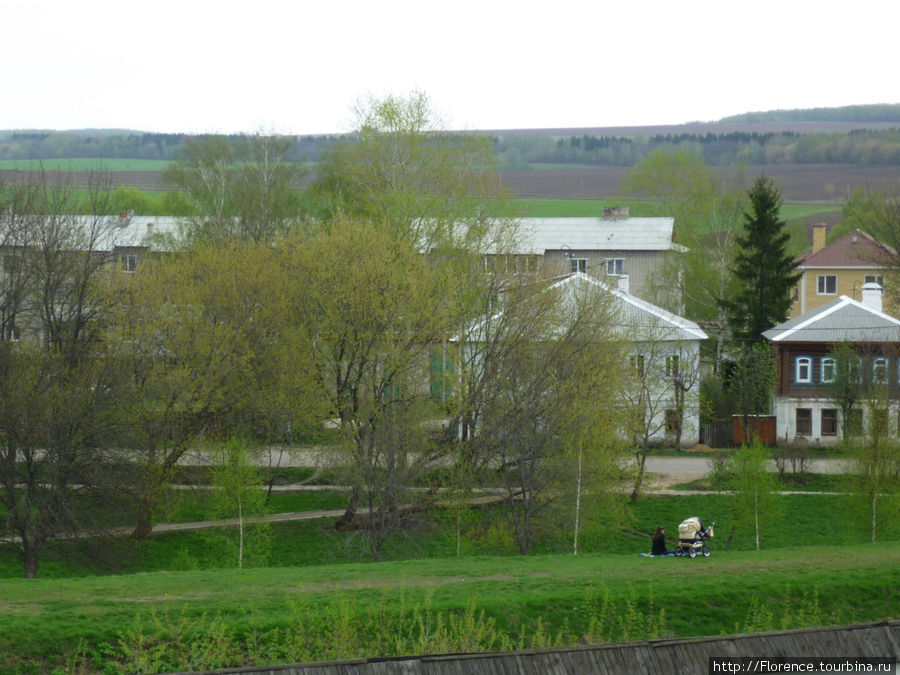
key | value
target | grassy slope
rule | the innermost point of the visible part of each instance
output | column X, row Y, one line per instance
column 701, row 596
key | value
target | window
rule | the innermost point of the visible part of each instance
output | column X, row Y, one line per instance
column 578, row 264
column 129, row 263
column 874, row 279
column 672, row 421
column 10, row 264
column 828, row 370
column 615, row 266
column 10, row 332
column 879, row 370
column 827, row 284
column 804, row 422
column 637, row 364
column 672, row 365
column 803, row 370
column 795, row 294
column 829, row 422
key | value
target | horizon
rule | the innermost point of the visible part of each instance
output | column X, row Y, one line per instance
column 204, row 67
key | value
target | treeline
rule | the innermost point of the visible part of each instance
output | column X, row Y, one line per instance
column 41, row 145
column 865, row 146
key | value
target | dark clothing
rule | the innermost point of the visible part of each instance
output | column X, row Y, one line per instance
column 659, row 545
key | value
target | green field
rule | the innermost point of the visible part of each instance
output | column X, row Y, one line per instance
column 86, row 164
column 287, row 614
column 560, row 208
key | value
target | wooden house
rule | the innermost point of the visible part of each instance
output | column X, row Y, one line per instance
column 806, row 394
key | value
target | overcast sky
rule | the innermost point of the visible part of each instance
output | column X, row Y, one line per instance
column 295, row 66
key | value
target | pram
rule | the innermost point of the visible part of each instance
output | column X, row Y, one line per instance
column 692, row 537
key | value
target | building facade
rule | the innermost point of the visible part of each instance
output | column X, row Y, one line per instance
column 809, row 399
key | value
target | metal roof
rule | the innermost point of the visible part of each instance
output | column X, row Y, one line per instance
column 841, row 320
column 537, row 235
column 639, row 318
column 138, row 231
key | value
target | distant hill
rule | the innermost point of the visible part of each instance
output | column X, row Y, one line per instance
column 866, row 135
column 879, row 112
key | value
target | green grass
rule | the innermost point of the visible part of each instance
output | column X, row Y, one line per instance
column 86, row 164
column 806, row 520
column 803, row 210
column 50, row 620
column 570, row 208
column 809, row 482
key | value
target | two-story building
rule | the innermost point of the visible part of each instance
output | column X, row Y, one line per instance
column 840, row 268
column 618, row 249
column 806, row 398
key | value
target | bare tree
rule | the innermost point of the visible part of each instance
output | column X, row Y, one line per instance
column 58, row 372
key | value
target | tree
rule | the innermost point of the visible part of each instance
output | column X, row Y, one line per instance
column 214, row 351
column 763, row 266
column 662, row 375
column 237, row 492
column 845, row 387
column 245, row 190
column 400, row 170
column 696, row 278
column 752, row 382
column 756, row 498
column 545, row 397
column 874, row 484
column 877, row 212
column 374, row 323
column 59, row 377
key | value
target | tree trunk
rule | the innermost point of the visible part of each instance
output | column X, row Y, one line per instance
column 144, row 526
column 577, row 504
column 347, row 519
column 31, row 557
column 639, row 477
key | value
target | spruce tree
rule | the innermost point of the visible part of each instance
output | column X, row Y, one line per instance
column 763, row 266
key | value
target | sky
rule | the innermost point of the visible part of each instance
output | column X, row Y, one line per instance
column 300, row 67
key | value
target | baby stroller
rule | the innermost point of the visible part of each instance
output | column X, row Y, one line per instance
column 692, row 537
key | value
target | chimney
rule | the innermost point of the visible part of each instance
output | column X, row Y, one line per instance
column 615, row 212
column 871, row 296
column 819, row 232
column 623, row 283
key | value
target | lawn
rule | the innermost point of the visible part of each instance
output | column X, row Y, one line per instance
column 126, row 606
column 274, row 614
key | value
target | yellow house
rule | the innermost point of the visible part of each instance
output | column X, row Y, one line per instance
column 841, row 268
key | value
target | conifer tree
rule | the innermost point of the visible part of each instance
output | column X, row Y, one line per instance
column 764, row 267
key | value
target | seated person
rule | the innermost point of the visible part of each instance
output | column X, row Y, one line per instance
column 659, row 542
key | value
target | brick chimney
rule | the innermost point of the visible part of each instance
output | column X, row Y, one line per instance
column 871, row 296
column 819, row 231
